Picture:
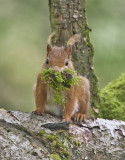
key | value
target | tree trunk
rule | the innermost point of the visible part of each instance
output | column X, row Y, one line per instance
column 24, row 136
column 68, row 18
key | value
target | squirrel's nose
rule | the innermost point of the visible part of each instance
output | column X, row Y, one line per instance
column 56, row 68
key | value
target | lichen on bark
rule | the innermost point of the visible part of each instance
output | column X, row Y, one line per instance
column 68, row 18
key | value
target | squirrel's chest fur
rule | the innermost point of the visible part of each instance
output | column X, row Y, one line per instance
column 50, row 106
column 54, row 108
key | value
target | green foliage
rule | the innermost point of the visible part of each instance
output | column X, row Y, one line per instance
column 60, row 82
column 113, row 100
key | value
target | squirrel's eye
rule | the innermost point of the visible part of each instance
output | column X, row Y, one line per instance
column 66, row 63
column 47, row 61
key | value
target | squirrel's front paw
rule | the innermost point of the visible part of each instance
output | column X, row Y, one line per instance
column 36, row 112
column 79, row 117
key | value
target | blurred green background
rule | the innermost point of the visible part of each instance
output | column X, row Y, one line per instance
column 24, row 28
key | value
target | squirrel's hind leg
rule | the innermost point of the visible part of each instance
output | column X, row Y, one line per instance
column 40, row 93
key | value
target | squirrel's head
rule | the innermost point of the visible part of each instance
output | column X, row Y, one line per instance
column 59, row 58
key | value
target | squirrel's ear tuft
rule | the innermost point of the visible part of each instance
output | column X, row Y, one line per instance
column 49, row 48
column 68, row 49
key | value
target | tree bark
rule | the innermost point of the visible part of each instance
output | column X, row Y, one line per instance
column 68, row 18
column 21, row 138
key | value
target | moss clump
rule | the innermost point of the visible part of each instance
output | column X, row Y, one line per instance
column 71, row 138
column 60, row 82
column 113, row 100
column 55, row 156
column 42, row 133
column 59, row 144
column 55, row 146
column 76, row 143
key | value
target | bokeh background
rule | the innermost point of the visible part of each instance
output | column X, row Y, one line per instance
column 24, row 28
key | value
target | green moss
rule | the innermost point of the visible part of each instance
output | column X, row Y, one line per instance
column 58, row 144
column 58, row 147
column 60, row 82
column 76, row 143
column 95, row 95
column 113, row 100
column 71, row 138
column 55, row 146
column 55, row 157
column 52, row 137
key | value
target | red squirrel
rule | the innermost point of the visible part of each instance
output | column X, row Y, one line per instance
column 77, row 98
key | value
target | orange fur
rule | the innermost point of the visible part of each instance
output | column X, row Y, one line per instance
column 77, row 98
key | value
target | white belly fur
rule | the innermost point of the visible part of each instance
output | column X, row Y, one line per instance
column 57, row 109
column 76, row 109
column 50, row 106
